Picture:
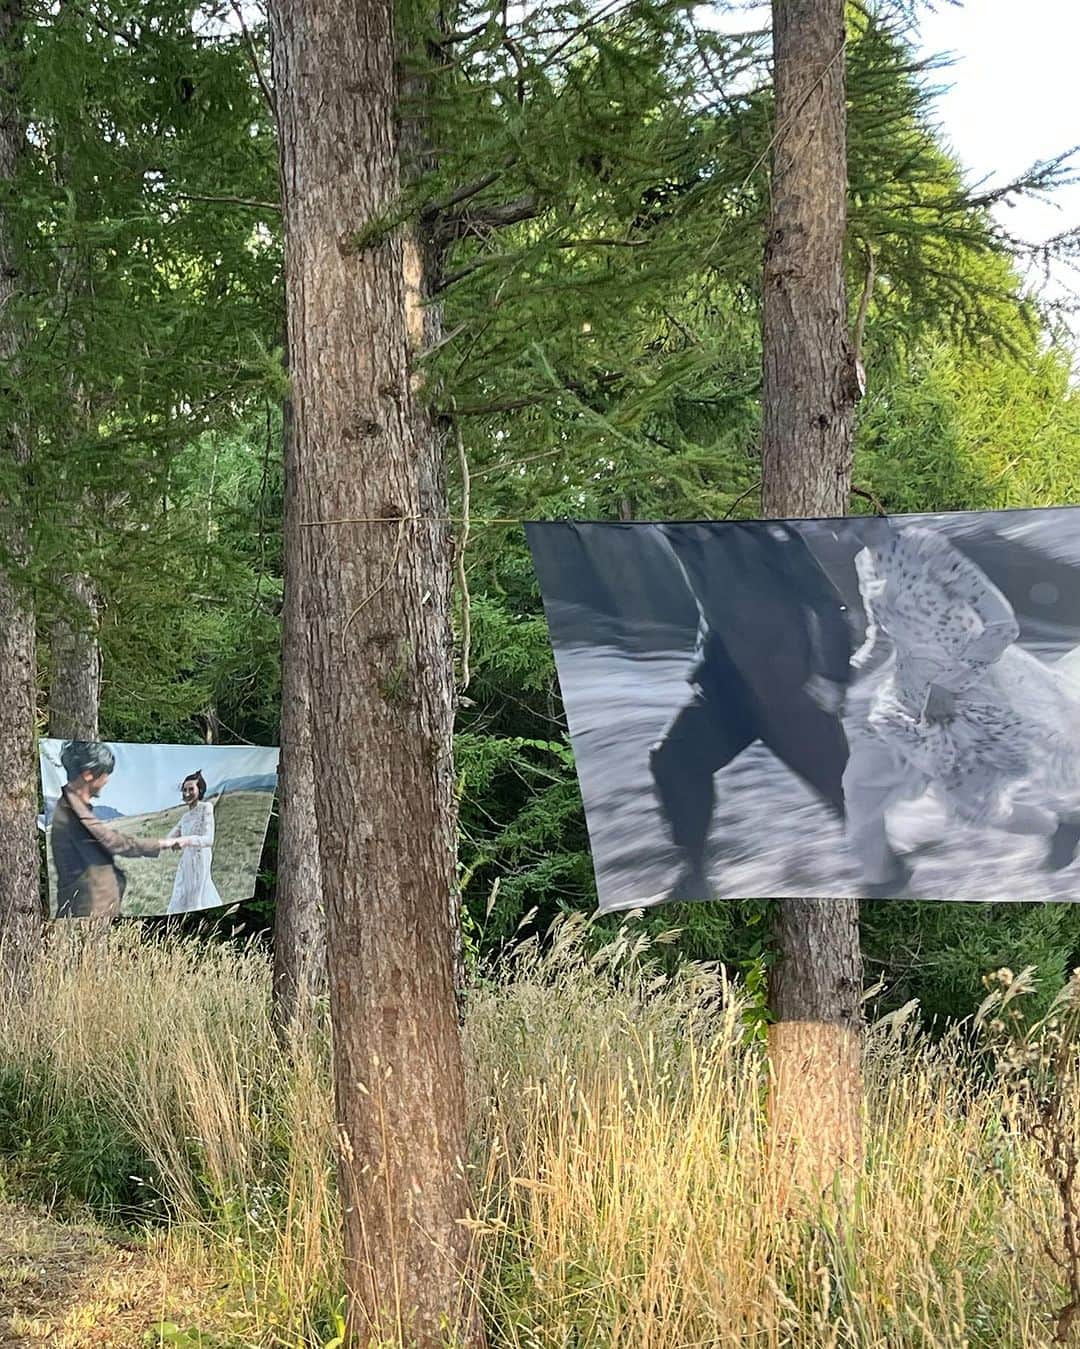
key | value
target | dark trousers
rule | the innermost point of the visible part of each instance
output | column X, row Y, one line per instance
column 721, row 719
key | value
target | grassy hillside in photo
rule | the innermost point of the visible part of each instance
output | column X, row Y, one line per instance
column 240, row 821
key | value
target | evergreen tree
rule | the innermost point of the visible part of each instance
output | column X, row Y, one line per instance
column 374, row 563
column 20, row 913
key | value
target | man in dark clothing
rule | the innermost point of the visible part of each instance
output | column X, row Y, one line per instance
column 772, row 664
column 89, row 884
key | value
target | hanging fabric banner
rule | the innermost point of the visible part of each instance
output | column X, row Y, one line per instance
column 144, row 830
column 863, row 707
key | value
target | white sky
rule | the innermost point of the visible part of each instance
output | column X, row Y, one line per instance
column 1014, row 98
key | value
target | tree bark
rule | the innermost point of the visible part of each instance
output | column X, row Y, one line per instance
column 20, row 905
column 75, row 651
column 809, row 396
column 376, row 592
column 299, row 915
column 423, row 256
column 20, row 902
column 75, row 683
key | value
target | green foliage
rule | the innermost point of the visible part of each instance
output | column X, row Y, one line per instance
column 194, row 644
column 598, row 186
column 57, row 1147
column 151, row 303
column 939, row 953
column 635, row 394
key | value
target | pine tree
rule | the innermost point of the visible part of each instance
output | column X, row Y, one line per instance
column 20, row 913
column 299, row 906
column 375, row 555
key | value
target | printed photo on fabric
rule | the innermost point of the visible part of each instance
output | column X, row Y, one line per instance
column 866, row 707
column 147, row 830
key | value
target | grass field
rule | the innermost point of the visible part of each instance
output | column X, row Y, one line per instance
column 618, row 1148
column 240, row 820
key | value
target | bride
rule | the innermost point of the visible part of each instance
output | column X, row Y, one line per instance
column 962, row 708
column 194, row 886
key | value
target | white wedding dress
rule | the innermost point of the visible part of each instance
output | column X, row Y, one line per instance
column 194, row 886
column 958, row 708
column 1015, row 719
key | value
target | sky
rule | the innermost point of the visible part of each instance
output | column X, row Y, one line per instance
column 1014, row 98
column 1010, row 97
column 148, row 777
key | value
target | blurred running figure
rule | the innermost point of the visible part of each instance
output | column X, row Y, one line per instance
column 772, row 663
column 962, row 708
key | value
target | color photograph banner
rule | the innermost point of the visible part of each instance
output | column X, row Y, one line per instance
column 863, row 707
column 147, row 830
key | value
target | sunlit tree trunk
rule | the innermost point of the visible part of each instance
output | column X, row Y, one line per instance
column 809, row 395
column 375, row 557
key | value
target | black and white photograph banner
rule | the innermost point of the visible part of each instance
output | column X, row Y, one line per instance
column 867, row 707
column 147, row 830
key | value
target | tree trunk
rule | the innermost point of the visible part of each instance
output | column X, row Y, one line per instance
column 20, row 902
column 75, row 683
column 20, row 905
column 299, row 914
column 423, row 258
column 75, row 665
column 376, row 593
column 809, row 396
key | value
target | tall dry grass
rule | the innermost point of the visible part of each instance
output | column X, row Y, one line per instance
column 161, row 1056
column 617, row 1147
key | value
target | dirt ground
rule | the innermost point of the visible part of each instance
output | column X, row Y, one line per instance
column 77, row 1287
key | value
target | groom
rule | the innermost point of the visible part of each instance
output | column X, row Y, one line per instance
column 772, row 664
column 89, row 884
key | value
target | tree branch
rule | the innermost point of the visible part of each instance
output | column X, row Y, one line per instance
column 487, row 409
column 229, row 201
column 253, row 57
column 464, row 193
column 497, row 216
column 489, row 258
column 867, row 495
column 462, row 34
column 125, row 35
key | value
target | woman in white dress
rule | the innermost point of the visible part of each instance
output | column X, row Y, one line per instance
column 194, row 886
column 962, row 708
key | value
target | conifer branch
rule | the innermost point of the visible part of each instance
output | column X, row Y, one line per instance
column 124, row 35
column 465, row 193
column 493, row 217
column 488, row 259
column 1043, row 176
column 253, row 57
column 462, row 34
column 229, row 201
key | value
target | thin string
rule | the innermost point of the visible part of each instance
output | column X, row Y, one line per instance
column 403, row 519
column 385, row 580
